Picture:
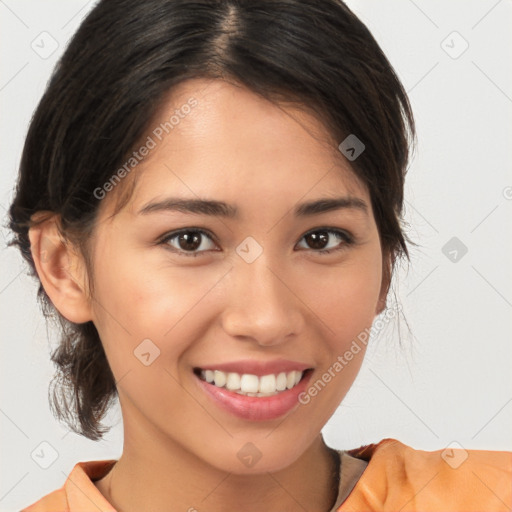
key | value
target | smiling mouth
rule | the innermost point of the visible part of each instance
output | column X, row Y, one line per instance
column 252, row 385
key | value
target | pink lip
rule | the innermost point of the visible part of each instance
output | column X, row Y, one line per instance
column 256, row 408
column 258, row 368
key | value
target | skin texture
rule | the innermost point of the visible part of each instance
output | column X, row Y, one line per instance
column 180, row 448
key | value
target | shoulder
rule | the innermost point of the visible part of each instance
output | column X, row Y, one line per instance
column 400, row 476
column 77, row 491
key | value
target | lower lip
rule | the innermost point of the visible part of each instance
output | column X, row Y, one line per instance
column 254, row 408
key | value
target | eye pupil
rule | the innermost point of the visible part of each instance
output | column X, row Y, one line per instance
column 191, row 239
column 313, row 239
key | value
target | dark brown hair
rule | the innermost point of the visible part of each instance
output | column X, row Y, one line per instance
column 123, row 60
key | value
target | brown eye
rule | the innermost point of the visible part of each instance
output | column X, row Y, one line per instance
column 324, row 240
column 189, row 241
column 317, row 240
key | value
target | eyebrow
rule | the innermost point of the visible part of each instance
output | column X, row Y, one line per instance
column 222, row 209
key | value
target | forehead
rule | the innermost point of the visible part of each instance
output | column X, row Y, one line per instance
column 214, row 138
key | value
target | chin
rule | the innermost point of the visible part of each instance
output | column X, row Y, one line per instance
column 245, row 457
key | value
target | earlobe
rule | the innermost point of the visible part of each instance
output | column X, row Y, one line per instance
column 61, row 270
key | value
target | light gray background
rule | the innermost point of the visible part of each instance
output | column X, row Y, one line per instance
column 453, row 381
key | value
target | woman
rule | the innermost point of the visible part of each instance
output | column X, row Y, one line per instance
column 210, row 195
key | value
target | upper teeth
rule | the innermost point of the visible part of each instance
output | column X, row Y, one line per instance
column 252, row 384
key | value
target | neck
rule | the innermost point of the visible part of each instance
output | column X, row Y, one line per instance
column 148, row 477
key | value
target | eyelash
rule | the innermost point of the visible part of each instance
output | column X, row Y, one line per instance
column 347, row 238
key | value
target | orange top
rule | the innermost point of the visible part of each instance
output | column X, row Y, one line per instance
column 396, row 478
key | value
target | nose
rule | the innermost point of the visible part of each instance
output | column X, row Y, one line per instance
column 262, row 305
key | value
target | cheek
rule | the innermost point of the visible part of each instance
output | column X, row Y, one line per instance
column 345, row 297
column 137, row 300
column 344, row 300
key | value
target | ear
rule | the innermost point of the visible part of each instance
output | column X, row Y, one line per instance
column 61, row 269
column 387, row 264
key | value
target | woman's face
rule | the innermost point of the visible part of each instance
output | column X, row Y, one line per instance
column 251, row 286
